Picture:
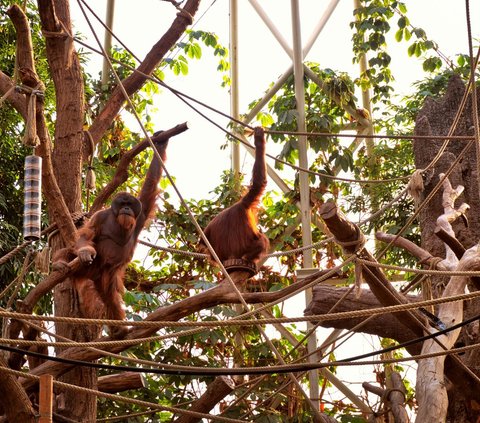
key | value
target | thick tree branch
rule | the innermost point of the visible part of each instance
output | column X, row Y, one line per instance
column 29, row 77
column 136, row 80
column 13, row 398
column 16, row 99
column 119, row 382
column 220, row 294
column 422, row 255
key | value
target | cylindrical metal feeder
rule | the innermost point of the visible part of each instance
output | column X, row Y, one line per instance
column 32, row 198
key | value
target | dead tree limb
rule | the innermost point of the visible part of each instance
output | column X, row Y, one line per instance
column 220, row 294
column 431, row 387
column 394, row 397
column 422, row 255
column 431, row 390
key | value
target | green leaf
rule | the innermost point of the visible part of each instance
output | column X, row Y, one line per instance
column 399, row 35
column 411, row 50
column 407, row 34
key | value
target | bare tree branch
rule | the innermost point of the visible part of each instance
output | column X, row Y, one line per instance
column 136, row 80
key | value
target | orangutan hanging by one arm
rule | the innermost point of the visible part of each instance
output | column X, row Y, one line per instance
column 234, row 232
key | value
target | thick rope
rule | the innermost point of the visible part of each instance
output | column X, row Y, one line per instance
column 121, row 398
column 231, row 322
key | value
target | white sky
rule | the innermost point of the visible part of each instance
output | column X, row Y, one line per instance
column 195, row 158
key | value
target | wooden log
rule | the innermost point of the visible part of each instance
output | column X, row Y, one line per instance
column 216, row 391
column 45, row 405
column 119, row 382
column 386, row 325
column 347, row 233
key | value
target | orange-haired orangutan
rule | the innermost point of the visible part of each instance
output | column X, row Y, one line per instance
column 234, row 232
column 106, row 244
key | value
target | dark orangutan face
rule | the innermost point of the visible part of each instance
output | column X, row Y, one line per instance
column 126, row 209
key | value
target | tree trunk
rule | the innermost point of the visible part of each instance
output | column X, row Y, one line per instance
column 67, row 162
column 435, row 118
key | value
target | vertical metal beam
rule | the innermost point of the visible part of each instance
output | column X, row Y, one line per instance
column 234, row 106
column 107, row 43
column 235, row 152
column 303, row 177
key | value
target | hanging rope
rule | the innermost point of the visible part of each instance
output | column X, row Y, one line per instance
column 30, row 137
column 90, row 177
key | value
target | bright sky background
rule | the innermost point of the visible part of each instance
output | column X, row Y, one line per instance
column 195, row 158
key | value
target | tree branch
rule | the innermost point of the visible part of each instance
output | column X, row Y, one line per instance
column 136, row 80
column 119, row 382
column 121, row 175
column 15, row 402
column 220, row 294
column 16, row 99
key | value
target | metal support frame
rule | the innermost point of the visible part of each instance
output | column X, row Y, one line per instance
column 234, row 88
column 107, row 43
column 304, row 182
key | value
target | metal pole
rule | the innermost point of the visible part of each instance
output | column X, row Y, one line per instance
column 234, row 107
column 107, row 43
column 303, row 178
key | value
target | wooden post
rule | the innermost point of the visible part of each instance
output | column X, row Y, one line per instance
column 45, row 403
